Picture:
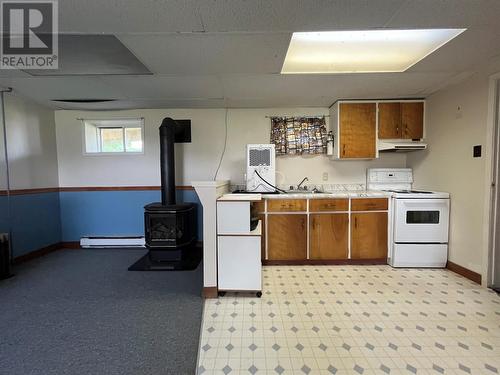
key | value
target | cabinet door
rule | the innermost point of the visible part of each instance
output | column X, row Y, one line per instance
column 238, row 263
column 286, row 236
column 328, row 236
column 369, row 235
column 412, row 120
column 357, row 130
column 389, row 120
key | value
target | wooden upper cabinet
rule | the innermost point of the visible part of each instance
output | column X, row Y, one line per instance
column 357, row 130
column 400, row 120
column 328, row 236
column 389, row 121
column 287, row 236
column 412, row 120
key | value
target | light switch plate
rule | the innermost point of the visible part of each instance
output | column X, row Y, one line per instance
column 325, row 176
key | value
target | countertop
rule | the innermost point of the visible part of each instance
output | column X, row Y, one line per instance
column 332, row 194
column 240, row 197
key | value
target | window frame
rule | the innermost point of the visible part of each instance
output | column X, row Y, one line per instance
column 112, row 126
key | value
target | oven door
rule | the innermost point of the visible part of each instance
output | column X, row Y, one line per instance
column 421, row 220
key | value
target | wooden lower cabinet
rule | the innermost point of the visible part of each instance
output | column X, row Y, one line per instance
column 328, row 236
column 287, row 236
column 369, row 235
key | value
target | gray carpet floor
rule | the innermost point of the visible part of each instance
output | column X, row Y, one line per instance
column 81, row 312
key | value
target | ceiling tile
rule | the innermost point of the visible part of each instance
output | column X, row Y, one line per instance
column 65, row 88
column 129, row 16
column 296, row 15
column 446, row 13
column 166, row 87
column 143, row 103
column 210, row 53
column 125, row 16
column 479, row 44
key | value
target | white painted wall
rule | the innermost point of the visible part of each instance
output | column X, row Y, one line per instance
column 197, row 160
column 31, row 143
column 456, row 120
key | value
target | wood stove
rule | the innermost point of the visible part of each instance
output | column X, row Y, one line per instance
column 169, row 228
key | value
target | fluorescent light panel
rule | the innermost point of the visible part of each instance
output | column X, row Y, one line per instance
column 366, row 51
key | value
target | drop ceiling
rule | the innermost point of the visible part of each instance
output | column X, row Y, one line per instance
column 215, row 53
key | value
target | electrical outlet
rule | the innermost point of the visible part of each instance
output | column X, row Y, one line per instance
column 325, row 176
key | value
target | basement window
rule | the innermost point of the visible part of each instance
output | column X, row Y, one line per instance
column 114, row 136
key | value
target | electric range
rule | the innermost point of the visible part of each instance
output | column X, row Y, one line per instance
column 419, row 219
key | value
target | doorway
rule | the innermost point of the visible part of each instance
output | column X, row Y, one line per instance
column 494, row 258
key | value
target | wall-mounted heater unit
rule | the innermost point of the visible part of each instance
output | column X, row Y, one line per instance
column 261, row 168
column 111, row 241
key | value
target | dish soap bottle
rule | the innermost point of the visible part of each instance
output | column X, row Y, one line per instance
column 329, row 143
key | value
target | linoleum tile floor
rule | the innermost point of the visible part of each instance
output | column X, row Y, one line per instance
column 353, row 320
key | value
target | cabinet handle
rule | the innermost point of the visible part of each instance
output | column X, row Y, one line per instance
column 356, row 222
column 343, row 149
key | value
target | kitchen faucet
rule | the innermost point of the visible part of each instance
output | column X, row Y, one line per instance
column 301, row 182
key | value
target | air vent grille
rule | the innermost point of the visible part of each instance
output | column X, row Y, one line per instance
column 259, row 157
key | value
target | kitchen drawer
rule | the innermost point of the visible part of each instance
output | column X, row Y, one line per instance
column 318, row 205
column 369, row 204
column 286, row 205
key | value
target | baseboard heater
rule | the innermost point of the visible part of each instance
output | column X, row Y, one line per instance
column 112, row 241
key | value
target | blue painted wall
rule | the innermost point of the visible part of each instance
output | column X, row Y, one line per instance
column 107, row 213
column 34, row 221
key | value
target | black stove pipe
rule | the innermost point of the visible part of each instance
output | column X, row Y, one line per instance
column 167, row 161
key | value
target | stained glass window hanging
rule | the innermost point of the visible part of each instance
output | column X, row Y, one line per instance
column 298, row 135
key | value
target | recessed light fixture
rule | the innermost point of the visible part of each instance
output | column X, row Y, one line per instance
column 367, row 51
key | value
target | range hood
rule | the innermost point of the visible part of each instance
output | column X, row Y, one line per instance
column 400, row 146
